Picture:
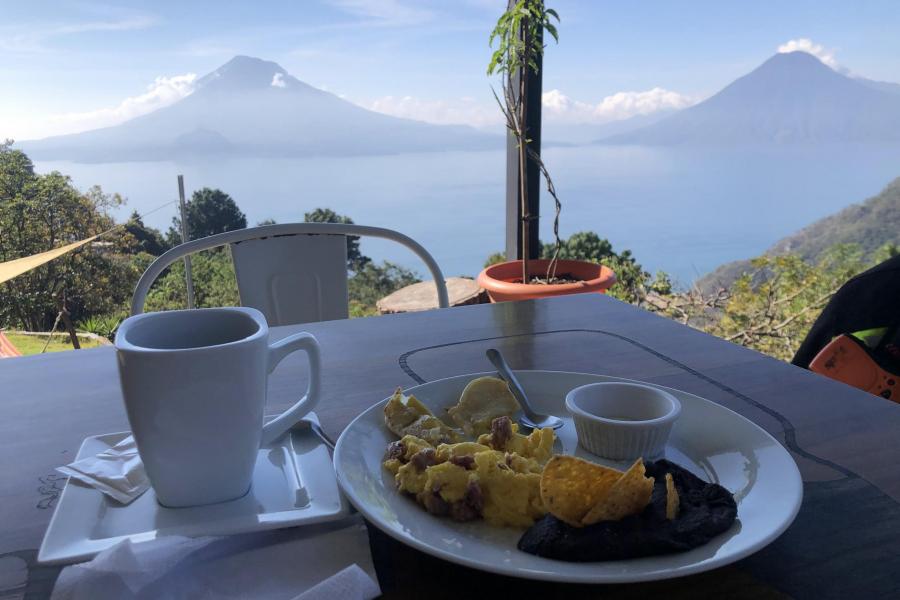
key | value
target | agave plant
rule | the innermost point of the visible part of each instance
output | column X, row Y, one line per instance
column 102, row 325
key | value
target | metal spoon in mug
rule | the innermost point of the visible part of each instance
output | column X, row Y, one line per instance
column 529, row 417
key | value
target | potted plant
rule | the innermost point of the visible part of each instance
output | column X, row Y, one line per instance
column 519, row 37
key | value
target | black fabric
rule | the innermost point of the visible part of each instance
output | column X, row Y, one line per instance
column 869, row 300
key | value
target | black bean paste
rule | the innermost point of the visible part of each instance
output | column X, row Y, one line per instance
column 706, row 510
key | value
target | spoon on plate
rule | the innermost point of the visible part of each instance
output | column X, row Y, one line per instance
column 529, row 418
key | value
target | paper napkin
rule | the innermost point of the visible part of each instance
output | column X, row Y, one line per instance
column 317, row 562
column 117, row 472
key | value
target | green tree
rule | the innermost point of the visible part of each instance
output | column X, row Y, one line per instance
column 355, row 259
column 214, row 283
column 209, row 211
column 148, row 239
column 42, row 212
column 495, row 258
column 584, row 245
column 16, row 171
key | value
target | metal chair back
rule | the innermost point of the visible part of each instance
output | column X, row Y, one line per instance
column 293, row 272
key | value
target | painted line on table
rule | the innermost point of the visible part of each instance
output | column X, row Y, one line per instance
column 790, row 432
column 51, row 487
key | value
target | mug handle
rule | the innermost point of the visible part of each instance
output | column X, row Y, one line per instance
column 277, row 352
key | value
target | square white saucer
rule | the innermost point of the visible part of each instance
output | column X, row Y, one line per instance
column 293, row 484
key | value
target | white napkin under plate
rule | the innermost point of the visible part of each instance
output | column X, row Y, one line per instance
column 316, row 562
column 117, row 472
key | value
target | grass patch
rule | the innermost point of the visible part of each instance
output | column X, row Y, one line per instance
column 33, row 344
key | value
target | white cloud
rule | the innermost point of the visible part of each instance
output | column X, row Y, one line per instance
column 140, row 22
column 443, row 112
column 25, row 38
column 557, row 108
column 278, row 80
column 162, row 92
column 807, row 45
column 618, row 106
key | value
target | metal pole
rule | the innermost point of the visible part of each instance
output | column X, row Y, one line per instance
column 534, row 88
column 188, row 277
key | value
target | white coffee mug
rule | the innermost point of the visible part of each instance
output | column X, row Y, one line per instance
column 194, row 383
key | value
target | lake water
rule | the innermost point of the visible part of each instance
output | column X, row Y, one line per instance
column 681, row 210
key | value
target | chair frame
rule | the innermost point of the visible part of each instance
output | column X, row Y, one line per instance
column 264, row 231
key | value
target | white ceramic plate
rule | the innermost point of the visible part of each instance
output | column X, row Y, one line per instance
column 713, row 442
column 293, row 484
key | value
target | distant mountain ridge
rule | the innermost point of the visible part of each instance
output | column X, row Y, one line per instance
column 870, row 224
column 253, row 107
column 791, row 98
column 553, row 132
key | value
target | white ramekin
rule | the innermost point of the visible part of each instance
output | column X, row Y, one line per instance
column 623, row 421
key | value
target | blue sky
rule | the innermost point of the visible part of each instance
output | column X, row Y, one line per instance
column 78, row 65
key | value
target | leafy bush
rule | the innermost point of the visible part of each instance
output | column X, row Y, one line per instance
column 773, row 304
column 772, row 307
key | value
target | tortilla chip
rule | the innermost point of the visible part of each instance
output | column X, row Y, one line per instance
column 570, row 487
column 627, row 496
column 672, row 500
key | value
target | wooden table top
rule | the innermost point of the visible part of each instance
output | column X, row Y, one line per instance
column 846, row 538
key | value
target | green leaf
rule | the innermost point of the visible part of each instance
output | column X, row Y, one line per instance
column 552, row 30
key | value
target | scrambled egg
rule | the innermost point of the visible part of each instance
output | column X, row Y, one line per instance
column 510, row 497
column 496, row 478
column 405, row 415
column 538, row 445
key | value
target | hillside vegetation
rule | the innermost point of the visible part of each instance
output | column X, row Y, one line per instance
column 870, row 226
column 770, row 308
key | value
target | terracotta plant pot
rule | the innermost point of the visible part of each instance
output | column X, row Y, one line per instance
column 503, row 281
